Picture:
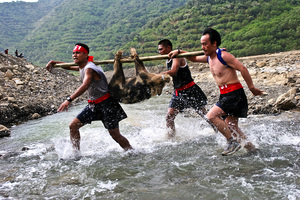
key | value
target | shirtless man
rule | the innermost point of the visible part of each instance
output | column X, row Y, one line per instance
column 101, row 106
column 232, row 104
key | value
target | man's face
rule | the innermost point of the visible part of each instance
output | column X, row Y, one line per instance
column 79, row 57
column 207, row 46
column 162, row 50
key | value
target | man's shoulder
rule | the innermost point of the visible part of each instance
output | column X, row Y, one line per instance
column 226, row 55
column 90, row 64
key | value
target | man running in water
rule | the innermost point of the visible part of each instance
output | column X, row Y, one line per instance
column 187, row 93
column 233, row 102
column 101, row 106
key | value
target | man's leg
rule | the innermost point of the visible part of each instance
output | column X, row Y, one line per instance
column 172, row 113
column 75, row 134
column 214, row 115
column 120, row 139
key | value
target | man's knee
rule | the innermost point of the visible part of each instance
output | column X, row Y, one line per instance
column 172, row 113
column 75, row 125
column 210, row 116
column 214, row 113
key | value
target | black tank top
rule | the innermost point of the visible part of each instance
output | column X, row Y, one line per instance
column 182, row 77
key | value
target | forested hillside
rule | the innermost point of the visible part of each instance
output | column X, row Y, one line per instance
column 17, row 19
column 247, row 27
column 105, row 25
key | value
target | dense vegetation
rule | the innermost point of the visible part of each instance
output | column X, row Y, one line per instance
column 247, row 27
column 18, row 19
column 105, row 25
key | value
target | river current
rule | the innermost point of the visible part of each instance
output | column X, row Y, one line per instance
column 188, row 166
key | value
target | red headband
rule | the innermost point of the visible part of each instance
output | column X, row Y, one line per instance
column 80, row 49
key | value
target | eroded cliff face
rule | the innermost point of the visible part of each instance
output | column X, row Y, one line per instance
column 28, row 91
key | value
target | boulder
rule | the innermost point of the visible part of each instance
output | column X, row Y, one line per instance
column 287, row 100
column 9, row 74
column 30, row 67
column 4, row 131
column 261, row 64
column 36, row 116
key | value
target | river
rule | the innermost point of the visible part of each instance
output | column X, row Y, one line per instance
column 188, row 166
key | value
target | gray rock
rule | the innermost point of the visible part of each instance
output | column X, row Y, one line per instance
column 4, row 131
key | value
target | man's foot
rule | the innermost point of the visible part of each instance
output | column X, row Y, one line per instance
column 250, row 147
column 170, row 133
column 232, row 147
column 77, row 154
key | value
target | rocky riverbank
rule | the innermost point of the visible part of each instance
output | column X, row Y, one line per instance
column 29, row 92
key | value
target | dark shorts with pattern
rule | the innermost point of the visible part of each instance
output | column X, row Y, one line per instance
column 234, row 103
column 192, row 97
column 108, row 111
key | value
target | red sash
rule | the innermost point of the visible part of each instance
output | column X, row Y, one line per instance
column 104, row 97
column 224, row 89
column 184, row 87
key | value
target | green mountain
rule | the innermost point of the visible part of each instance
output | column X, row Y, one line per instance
column 18, row 19
column 247, row 27
column 105, row 25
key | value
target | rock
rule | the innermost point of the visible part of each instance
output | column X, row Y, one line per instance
column 30, row 67
column 261, row 64
column 18, row 81
column 9, row 74
column 287, row 100
column 36, row 116
column 11, row 99
column 25, row 148
column 4, row 131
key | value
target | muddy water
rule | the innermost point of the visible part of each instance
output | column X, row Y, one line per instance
column 188, row 166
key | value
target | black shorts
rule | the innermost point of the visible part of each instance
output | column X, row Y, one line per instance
column 192, row 97
column 108, row 111
column 234, row 103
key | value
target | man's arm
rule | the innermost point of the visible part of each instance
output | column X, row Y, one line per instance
column 202, row 59
column 84, row 86
column 175, row 67
column 237, row 65
column 50, row 64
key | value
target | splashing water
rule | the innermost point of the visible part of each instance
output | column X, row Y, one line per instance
column 188, row 166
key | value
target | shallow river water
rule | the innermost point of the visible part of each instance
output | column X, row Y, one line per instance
column 189, row 166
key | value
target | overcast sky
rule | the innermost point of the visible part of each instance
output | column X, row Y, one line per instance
column 1, row 1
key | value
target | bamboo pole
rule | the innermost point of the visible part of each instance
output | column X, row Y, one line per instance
column 128, row 60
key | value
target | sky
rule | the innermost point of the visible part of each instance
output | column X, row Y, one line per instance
column 1, row 1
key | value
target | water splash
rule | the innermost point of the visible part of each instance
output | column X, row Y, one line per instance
column 188, row 166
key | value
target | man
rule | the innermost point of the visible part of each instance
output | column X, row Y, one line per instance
column 187, row 94
column 233, row 102
column 101, row 106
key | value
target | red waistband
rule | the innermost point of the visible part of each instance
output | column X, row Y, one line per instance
column 104, row 97
column 224, row 89
column 184, row 87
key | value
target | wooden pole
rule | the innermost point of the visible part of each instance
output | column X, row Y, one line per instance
column 128, row 60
